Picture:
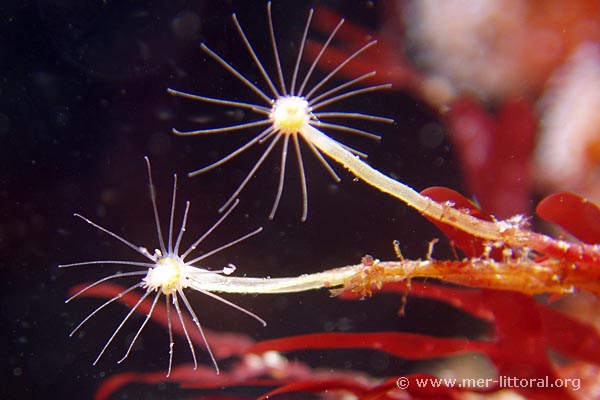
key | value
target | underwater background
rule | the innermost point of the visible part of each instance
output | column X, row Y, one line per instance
column 83, row 98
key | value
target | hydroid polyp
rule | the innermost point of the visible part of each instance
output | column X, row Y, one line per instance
column 289, row 110
column 165, row 272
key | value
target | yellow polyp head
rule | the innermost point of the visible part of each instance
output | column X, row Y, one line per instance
column 165, row 276
column 290, row 114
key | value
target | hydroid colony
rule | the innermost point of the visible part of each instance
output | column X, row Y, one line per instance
column 292, row 112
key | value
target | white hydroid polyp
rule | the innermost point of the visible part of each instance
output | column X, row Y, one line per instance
column 289, row 111
column 168, row 273
column 319, row 143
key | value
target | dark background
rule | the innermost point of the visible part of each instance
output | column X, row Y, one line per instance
column 82, row 100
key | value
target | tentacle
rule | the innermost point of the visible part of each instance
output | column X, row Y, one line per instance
column 129, row 314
